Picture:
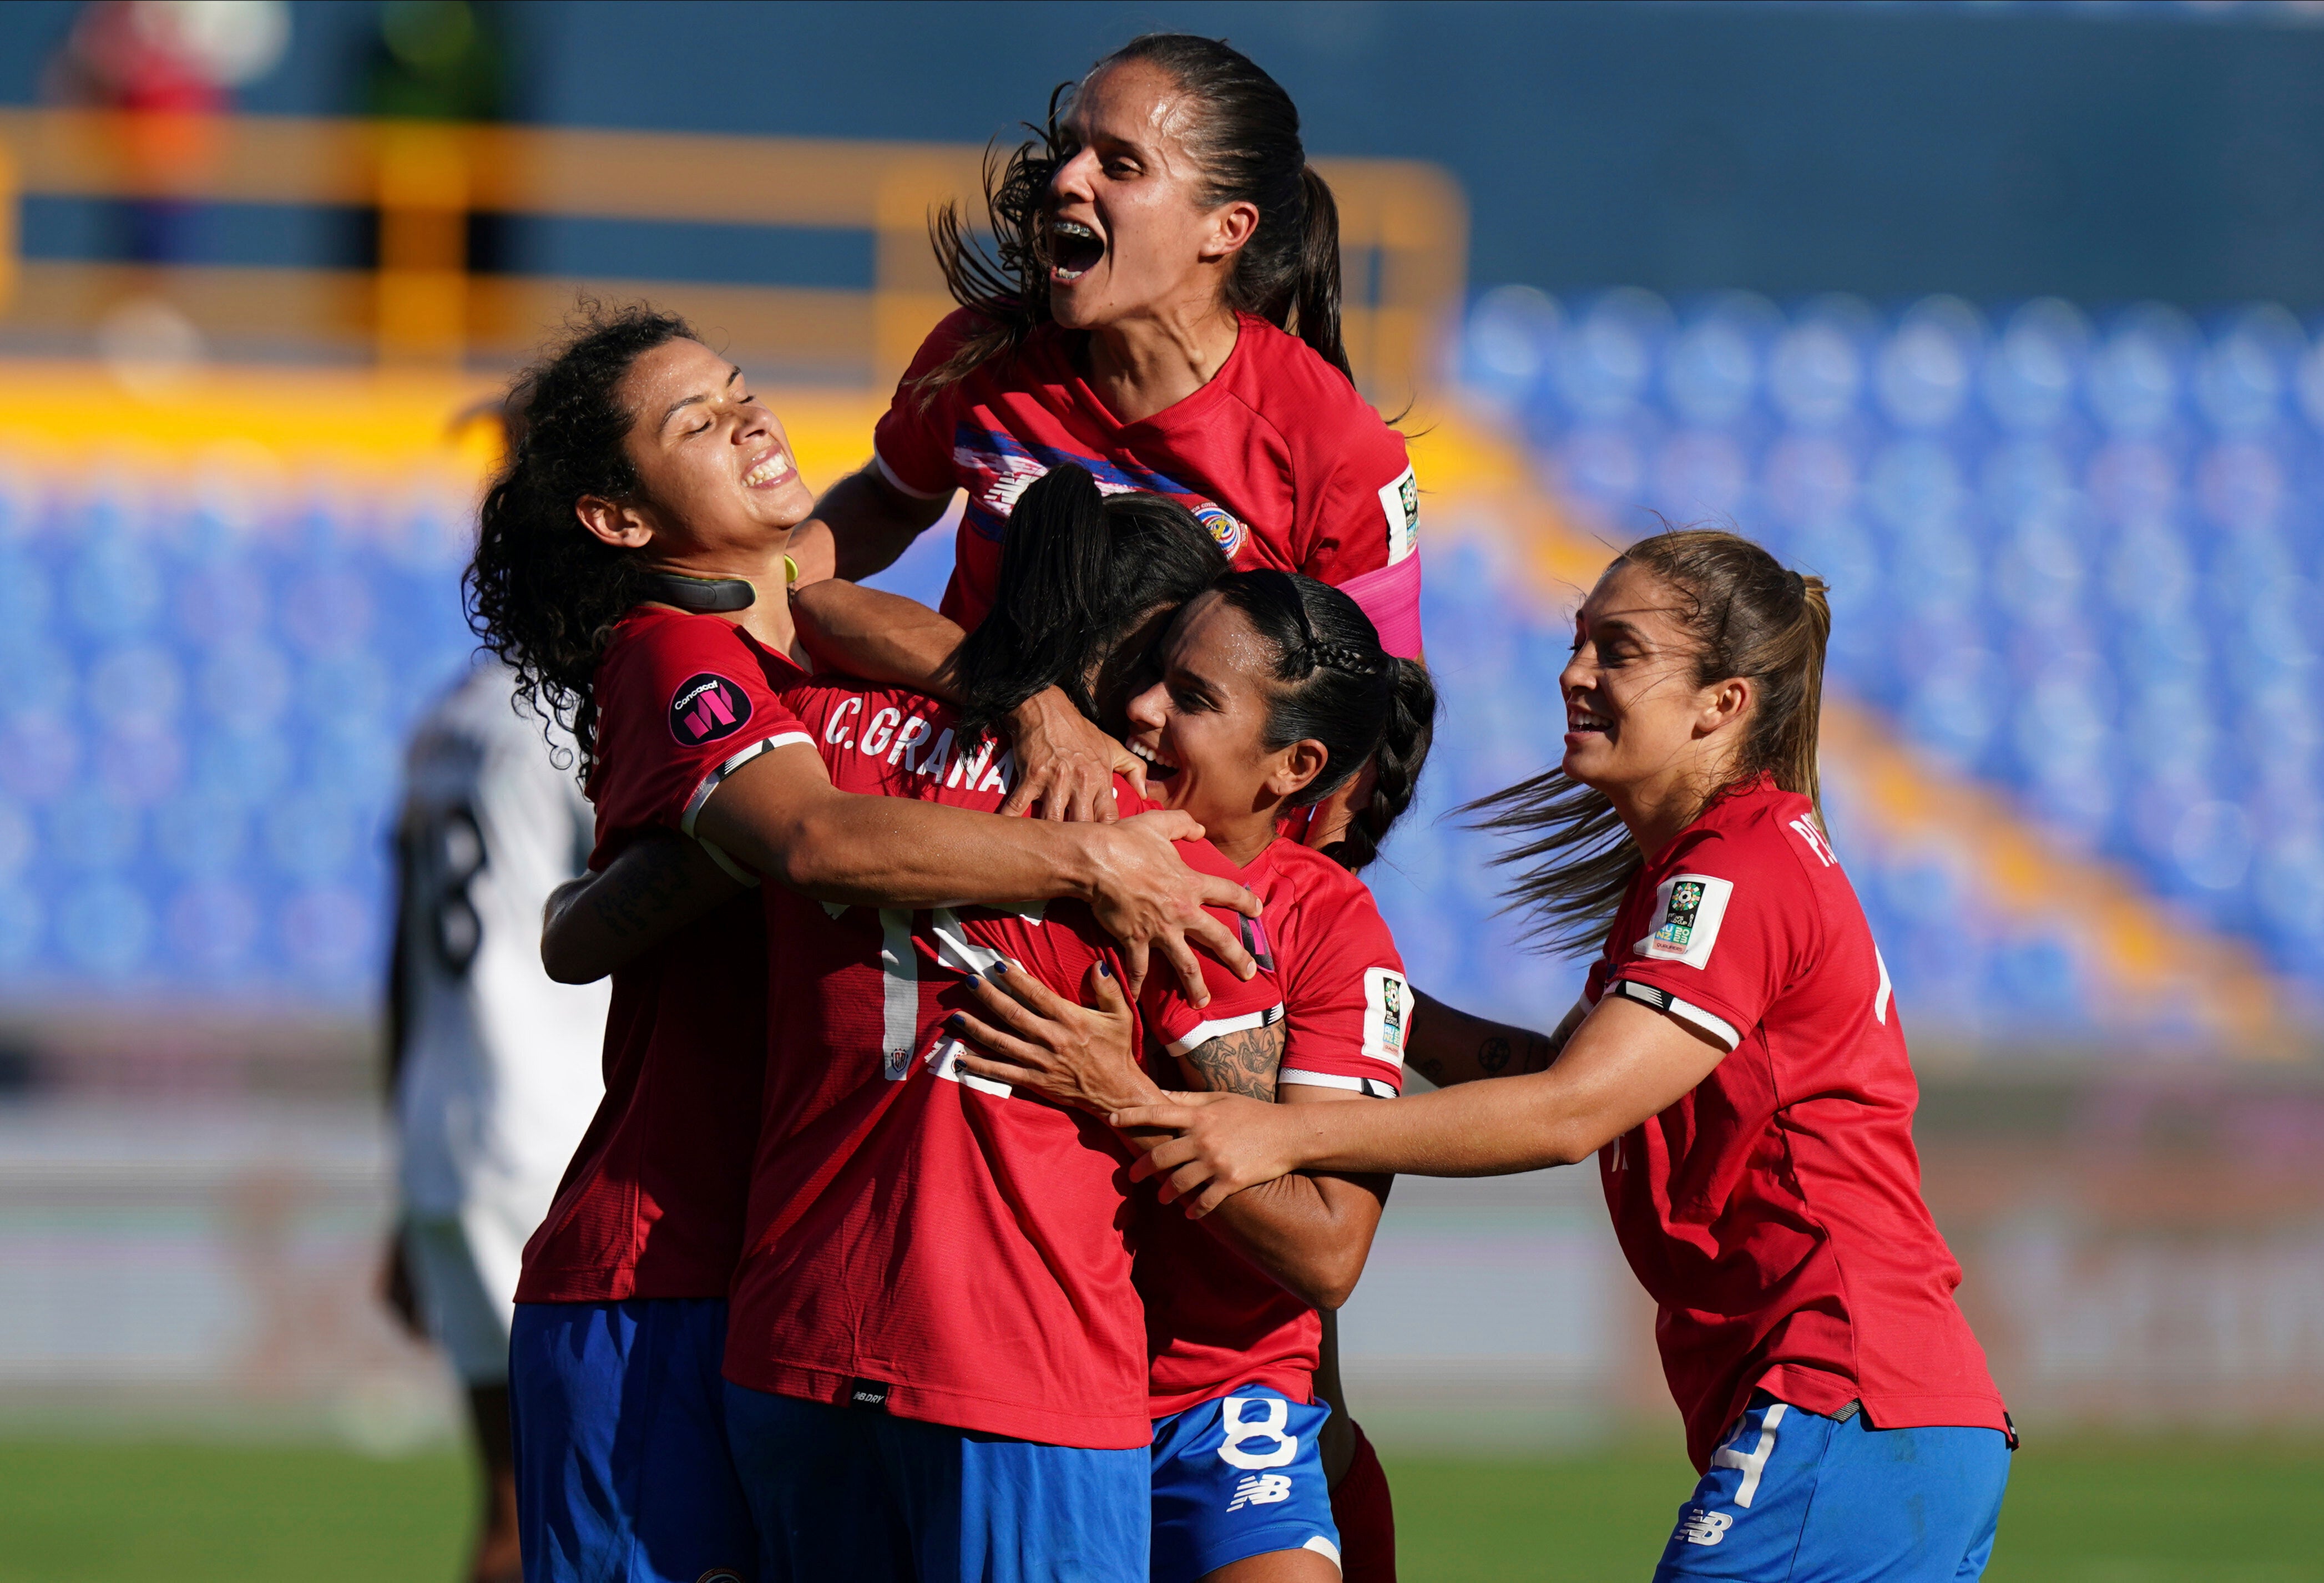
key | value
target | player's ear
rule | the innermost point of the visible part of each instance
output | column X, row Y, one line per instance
column 1725, row 703
column 622, row 526
column 1297, row 765
column 1232, row 225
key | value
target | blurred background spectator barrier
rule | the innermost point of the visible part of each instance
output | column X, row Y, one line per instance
column 1403, row 225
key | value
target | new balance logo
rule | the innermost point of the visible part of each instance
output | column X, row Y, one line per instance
column 1261, row 1489
column 1703, row 1527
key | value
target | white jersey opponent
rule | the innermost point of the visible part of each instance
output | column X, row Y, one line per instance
column 499, row 1070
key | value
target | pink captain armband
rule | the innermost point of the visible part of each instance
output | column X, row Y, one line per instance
column 1391, row 597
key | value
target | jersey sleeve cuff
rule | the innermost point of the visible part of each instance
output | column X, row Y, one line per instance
column 1202, row 1032
column 717, row 777
column 897, row 481
column 1369, row 1087
column 1663, row 1000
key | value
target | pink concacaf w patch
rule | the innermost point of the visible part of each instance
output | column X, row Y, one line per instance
column 705, row 707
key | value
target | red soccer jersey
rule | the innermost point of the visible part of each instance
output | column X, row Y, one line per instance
column 920, row 1237
column 651, row 1205
column 1277, row 455
column 1214, row 1320
column 1775, row 1213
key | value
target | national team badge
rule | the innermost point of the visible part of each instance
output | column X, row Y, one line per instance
column 706, row 707
column 1225, row 531
column 1688, row 911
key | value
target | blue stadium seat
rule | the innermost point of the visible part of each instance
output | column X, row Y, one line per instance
column 2076, row 555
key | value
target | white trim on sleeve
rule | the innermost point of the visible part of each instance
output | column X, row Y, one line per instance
column 716, row 778
column 1202, row 1032
column 1369, row 1087
column 900, row 487
column 1663, row 1000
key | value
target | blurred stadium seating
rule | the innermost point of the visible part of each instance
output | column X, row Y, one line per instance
column 2070, row 556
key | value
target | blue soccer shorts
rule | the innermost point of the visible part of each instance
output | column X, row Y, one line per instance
column 854, row 1494
column 1239, row 1476
column 622, row 1474
column 1796, row 1497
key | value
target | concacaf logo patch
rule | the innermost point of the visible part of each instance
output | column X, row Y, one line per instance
column 705, row 707
column 1387, row 1006
column 1400, row 504
column 1688, row 909
column 1226, row 532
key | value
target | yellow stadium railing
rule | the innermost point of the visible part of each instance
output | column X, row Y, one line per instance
column 1404, row 230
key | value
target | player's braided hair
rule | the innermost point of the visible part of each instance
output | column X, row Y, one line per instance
column 1078, row 572
column 1749, row 617
column 544, row 594
column 1336, row 684
column 1244, row 139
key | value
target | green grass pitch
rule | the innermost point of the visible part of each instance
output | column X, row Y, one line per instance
column 2155, row 1510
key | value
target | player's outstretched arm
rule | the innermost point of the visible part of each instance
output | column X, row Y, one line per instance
column 1311, row 1234
column 780, row 815
column 596, row 924
column 1625, row 1063
column 1447, row 1045
column 860, row 526
column 872, row 633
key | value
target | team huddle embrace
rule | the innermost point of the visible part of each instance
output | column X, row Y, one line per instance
column 1005, row 1058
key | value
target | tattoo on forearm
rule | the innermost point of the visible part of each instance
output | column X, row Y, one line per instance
column 1240, row 1064
column 1540, row 1052
column 1493, row 1055
column 1426, row 1065
column 629, row 899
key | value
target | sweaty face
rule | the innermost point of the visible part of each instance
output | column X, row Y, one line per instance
column 1632, row 708
column 715, row 465
column 1201, row 728
column 1127, row 228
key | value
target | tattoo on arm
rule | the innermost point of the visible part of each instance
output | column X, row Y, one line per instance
column 1493, row 1056
column 1240, row 1064
column 630, row 899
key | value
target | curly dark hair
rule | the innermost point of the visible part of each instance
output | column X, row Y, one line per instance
column 1245, row 141
column 544, row 594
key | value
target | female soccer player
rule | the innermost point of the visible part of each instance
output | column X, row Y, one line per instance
column 1165, row 312
column 648, row 503
column 1270, row 680
column 1738, row 1066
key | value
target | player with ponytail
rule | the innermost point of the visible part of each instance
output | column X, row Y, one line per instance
column 1162, row 306
column 1737, row 1064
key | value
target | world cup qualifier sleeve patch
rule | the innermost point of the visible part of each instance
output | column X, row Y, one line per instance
column 1387, row 1009
column 1400, row 504
column 706, row 707
column 1688, row 910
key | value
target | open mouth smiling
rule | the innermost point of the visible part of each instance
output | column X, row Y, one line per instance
column 1156, row 768
column 1074, row 250
column 774, row 467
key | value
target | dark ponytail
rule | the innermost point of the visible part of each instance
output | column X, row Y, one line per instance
column 544, row 593
column 1244, row 139
column 1337, row 686
column 1748, row 617
column 1078, row 570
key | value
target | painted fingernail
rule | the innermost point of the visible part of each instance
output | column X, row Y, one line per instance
column 957, row 1023
column 997, row 971
column 1104, row 971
